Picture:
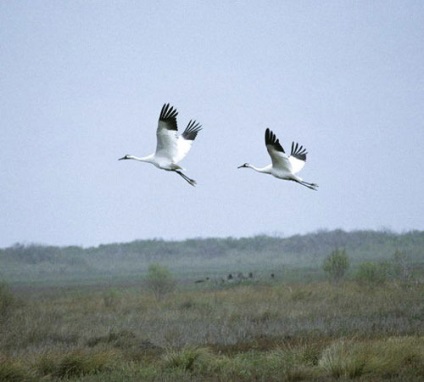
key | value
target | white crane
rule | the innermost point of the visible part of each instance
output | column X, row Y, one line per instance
column 283, row 166
column 171, row 148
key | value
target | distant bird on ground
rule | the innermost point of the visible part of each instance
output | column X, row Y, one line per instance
column 283, row 166
column 171, row 148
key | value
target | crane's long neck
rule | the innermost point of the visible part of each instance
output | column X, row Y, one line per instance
column 263, row 170
column 148, row 158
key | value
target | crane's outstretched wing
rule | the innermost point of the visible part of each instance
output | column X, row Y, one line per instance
column 166, row 132
column 297, row 157
column 185, row 140
column 280, row 161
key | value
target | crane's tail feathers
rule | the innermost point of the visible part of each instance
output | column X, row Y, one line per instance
column 192, row 182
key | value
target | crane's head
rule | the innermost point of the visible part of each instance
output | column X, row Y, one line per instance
column 245, row 165
column 125, row 157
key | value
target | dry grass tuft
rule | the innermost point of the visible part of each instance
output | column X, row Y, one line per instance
column 75, row 363
column 190, row 358
column 389, row 358
column 343, row 359
column 12, row 370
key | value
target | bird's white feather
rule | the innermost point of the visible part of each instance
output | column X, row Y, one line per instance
column 183, row 147
column 296, row 164
column 280, row 161
column 167, row 143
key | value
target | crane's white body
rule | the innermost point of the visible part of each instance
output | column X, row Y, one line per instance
column 283, row 166
column 171, row 148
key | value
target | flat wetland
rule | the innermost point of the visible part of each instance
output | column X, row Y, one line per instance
column 294, row 326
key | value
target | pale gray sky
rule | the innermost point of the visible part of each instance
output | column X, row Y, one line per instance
column 82, row 84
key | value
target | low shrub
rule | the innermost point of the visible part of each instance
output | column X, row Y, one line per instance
column 371, row 274
column 160, row 281
column 336, row 265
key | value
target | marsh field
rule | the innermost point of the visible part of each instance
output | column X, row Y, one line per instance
column 90, row 314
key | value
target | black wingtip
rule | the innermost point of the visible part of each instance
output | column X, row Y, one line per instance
column 299, row 152
column 190, row 132
column 271, row 139
column 167, row 112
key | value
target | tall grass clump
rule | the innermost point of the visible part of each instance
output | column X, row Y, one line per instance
column 390, row 358
column 189, row 359
column 76, row 363
column 13, row 371
column 290, row 363
column 282, row 364
column 342, row 359
column 396, row 356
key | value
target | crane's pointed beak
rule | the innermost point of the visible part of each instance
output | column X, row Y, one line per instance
column 122, row 158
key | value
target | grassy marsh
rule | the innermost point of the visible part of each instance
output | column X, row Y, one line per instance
column 247, row 331
column 74, row 314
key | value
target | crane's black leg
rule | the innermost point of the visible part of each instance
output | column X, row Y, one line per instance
column 192, row 182
column 312, row 186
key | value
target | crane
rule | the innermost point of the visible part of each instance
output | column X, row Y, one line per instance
column 171, row 148
column 283, row 166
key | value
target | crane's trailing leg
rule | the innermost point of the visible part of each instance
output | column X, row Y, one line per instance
column 312, row 186
column 192, row 182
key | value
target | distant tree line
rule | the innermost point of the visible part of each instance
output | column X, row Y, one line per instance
column 250, row 253
column 320, row 244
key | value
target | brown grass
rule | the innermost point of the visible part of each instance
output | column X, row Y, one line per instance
column 246, row 332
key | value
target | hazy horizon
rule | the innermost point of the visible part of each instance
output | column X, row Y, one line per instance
column 271, row 235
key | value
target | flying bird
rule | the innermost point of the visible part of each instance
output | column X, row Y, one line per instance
column 171, row 148
column 283, row 166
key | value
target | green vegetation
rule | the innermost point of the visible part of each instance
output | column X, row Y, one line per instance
column 295, row 326
column 336, row 265
column 372, row 274
column 159, row 280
